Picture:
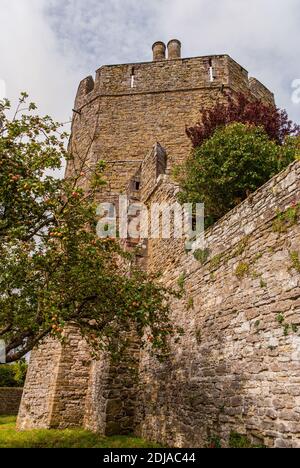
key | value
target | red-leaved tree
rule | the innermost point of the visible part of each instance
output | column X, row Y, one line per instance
column 245, row 109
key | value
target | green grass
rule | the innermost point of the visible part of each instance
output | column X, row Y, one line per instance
column 71, row 438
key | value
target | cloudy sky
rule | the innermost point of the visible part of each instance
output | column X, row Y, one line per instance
column 48, row 46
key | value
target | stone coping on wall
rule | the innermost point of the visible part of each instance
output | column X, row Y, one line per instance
column 182, row 59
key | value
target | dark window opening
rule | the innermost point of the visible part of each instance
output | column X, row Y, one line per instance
column 132, row 81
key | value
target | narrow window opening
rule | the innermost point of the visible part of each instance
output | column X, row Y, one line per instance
column 194, row 222
column 132, row 77
column 135, row 185
column 211, row 71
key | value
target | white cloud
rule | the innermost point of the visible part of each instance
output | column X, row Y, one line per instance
column 104, row 31
column 46, row 47
column 2, row 89
column 262, row 35
column 296, row 92
column 30, row 59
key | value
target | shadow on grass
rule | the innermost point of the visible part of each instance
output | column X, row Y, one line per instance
column 70, row 438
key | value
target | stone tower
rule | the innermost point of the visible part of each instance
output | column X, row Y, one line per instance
column 127, row 108
column 118, row 117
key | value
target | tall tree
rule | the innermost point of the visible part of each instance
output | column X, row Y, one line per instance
column 54, row 270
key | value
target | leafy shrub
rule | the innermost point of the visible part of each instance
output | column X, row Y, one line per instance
column 239, row 441
column 242, row 270
column 230, row 165
column 201, row 255
column 295, row 260
column 20, row 371
column 245, row 109
column 13, row 375
column 214, row 442
column 7, row 377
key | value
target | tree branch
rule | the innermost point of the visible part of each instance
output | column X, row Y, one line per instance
column 30, row 344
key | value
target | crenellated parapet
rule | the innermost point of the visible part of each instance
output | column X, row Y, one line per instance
column 163, row 76
column 170, row 73
column 118, row 115
column 260, row 91
column 85, row 87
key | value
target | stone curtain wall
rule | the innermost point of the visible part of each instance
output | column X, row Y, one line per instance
column 10, row 399
column 238, row 366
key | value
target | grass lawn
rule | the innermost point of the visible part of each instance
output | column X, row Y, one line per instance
column 71, row 438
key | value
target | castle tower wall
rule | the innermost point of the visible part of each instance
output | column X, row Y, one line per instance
column 65, row 388
column 117, row 118
column 260, row 91
column 133, row 105
column 37, row 400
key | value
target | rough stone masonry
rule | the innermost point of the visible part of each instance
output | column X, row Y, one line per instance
column 237, row 368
